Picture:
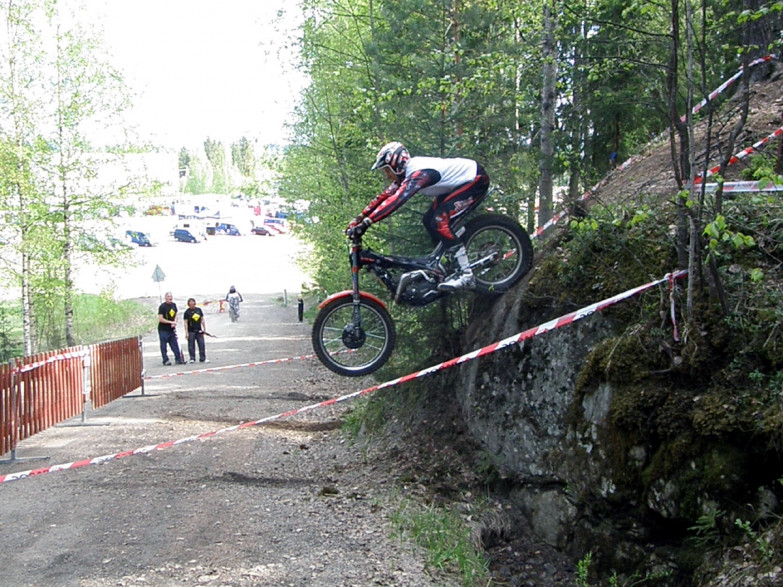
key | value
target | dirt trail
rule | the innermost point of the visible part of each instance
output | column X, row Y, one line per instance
column 291, row 503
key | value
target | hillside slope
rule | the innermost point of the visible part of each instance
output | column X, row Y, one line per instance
column 647, row 452
column 650, row 172
column 648, row 447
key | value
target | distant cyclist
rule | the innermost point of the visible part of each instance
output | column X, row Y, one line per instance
column 456, row 186
column 233, row 297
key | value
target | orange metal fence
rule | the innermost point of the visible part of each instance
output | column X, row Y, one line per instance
column 7, row 422
column 212, row 306
column 42, row 390
column 115, row 369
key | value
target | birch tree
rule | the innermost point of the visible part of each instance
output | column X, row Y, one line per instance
column 87, row 92
column 58, row 93
column 20, row 108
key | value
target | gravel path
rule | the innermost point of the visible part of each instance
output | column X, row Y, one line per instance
column 289, row 503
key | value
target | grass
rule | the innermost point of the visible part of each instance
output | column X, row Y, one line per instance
column 97, row 318
column 445, row 537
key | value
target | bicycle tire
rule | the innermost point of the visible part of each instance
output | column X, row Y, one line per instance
column 353, row 357
column 503, row 237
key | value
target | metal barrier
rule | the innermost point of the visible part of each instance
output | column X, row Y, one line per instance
column 40, row 391
column 213, row 306
column 7, row 420
column 115, row 370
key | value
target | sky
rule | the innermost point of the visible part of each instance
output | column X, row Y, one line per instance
column 201, row 68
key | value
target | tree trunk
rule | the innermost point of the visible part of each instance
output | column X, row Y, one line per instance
column 548, row 100
column 579, row 133
column 28, row 308
column 376, row 82
column 677, row 129
column 62, row 174
column 68, row 286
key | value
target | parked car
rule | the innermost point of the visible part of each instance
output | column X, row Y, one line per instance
column 261, row 230
column 88, row 242
column 225, row 228
column 138, row 238
column 279, row 225
column 278, row 222
column 185, row 236
column 272, row 227
column 116, row 244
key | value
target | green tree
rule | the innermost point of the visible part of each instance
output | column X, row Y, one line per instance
column 541, row 102
column 22, row 200
column 216, row 155
column 198, row 178
column 183, row 160
column 87, row 90
column 56, row 89
column 243, row 157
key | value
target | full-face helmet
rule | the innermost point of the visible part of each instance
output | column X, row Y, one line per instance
column 393, row 155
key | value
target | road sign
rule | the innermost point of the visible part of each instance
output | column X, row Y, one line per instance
column 158, row 275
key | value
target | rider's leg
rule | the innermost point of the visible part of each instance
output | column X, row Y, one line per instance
column 428, row 220
column 440, row 220
column 448, row 208
column 462, row 279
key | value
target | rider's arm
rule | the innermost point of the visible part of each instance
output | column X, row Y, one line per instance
column 417, row 181
column 378, row 200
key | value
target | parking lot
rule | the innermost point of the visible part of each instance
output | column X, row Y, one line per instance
column 204, row 270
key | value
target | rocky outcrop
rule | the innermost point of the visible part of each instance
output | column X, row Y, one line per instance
column 521, row 405
column 583, row 483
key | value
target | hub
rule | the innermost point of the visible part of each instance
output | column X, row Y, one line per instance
column 353, row 336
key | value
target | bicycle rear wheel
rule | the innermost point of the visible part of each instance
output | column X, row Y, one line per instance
column 499, row 251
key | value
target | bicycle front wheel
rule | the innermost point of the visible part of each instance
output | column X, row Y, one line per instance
column 353, row 348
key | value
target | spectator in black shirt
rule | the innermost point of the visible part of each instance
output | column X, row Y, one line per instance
column 167, row 330
column 195, row 327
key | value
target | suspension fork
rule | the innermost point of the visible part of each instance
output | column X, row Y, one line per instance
column 356, row 246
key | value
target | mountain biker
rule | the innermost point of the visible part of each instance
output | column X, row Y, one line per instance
column 233, row 297
column 456, row 185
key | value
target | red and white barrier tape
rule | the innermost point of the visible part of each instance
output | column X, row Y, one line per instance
column 742, row 154
column 530, row 333
column 53, row 359
column 562, row 214
column 672, row 309
column 725, row 85
column 492, row 348
column 536, row 330
column 744, row 186
column 208, row 302
column 227, row 367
